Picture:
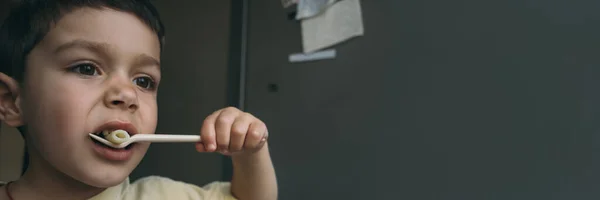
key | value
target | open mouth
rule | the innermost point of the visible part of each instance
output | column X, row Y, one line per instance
column 115, row 132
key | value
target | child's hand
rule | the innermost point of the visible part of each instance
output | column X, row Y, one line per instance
column 230, row 131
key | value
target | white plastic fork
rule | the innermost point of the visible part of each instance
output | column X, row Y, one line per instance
column 148, row 138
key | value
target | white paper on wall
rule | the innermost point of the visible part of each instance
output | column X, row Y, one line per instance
column 310, row 8
column 340, row 22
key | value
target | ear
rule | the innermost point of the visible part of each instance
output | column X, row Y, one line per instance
column 10, row 110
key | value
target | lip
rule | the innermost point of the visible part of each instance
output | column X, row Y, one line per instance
column 116, row 125
column 111, row 153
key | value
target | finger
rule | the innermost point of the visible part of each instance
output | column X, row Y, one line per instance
column 239, row 130
column 208, row 134
column 3, row 113
column 200, row 147
column 223, row 128
column 266, row 136
column 256, row 135
column 12, row 111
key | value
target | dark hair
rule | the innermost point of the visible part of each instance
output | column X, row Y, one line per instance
column 30, row 21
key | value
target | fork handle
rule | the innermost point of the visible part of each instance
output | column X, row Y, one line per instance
column 166, row 138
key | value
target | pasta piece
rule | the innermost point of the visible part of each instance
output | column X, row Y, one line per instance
column 105, row 133
column 118, row 136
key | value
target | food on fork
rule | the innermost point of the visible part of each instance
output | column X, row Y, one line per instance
column 117, row 136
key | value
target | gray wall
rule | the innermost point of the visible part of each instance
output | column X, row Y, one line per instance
column 194, row 71
column 440, row 100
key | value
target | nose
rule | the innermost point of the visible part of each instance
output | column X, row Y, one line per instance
column 122, row 95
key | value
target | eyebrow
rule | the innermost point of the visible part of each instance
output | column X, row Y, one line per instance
column 104, row 48
column 83, row 44
column 146, row 60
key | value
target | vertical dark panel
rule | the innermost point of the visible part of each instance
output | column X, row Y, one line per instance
column 440, row 100
column 194, row 84
column 236, row 61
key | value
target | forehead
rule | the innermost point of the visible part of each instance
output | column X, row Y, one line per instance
column 120, row 31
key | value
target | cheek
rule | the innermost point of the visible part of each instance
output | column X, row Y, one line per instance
column 148, row 114
column 57, row 111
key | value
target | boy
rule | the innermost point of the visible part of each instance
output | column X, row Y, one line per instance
column 73, row 67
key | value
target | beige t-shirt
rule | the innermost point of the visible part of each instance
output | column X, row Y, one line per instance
column 159, row 188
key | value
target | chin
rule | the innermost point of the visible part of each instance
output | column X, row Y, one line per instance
column 105, row 175
column 97, row 172
column 104, row 178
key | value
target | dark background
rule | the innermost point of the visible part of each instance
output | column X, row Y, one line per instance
column 439, row 100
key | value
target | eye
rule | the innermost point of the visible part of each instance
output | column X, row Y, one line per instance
column 87, row 69
column 144, row 82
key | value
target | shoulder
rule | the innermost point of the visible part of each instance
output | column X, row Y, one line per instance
column 157, row 186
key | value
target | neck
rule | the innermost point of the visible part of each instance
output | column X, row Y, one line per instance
column 42, row 181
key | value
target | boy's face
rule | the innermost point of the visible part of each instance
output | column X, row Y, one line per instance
column 95, row 70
